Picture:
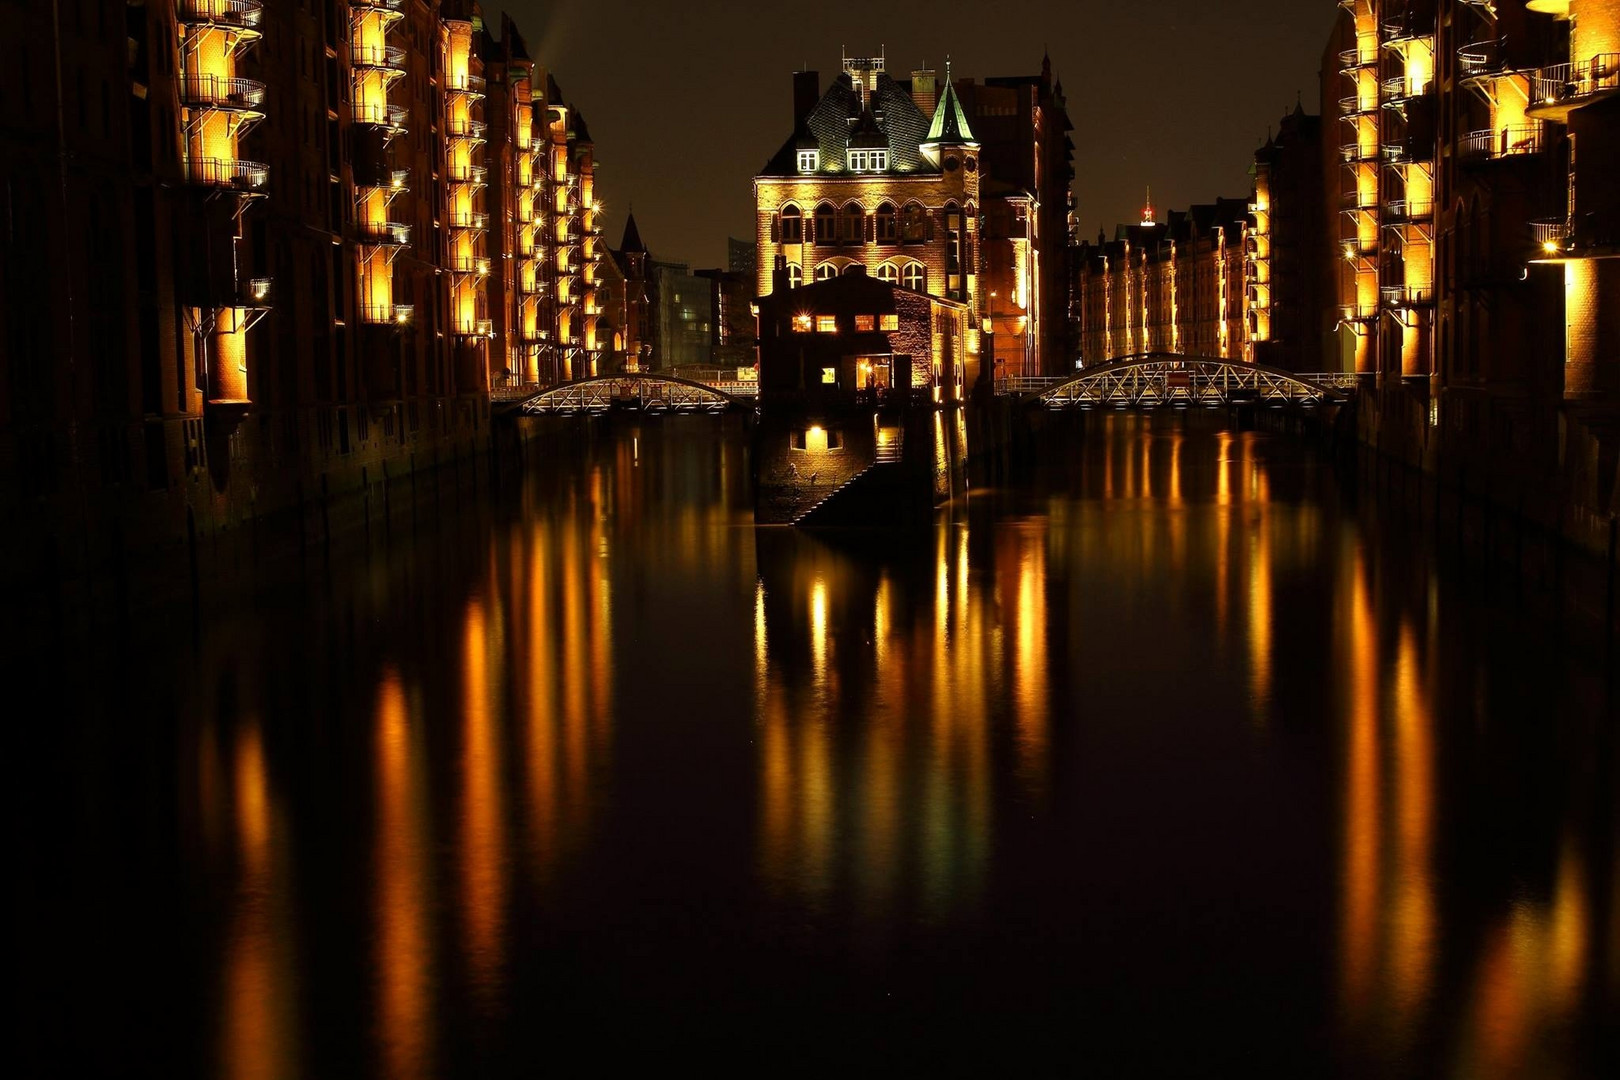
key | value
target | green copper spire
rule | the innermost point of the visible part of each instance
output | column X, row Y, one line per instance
column 950, row 121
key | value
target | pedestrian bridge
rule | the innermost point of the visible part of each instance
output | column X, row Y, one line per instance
column 1156, row 379
column 638, row 393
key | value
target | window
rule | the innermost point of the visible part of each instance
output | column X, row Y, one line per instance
column 888, row 225
column 852, row 225
column 865, row 324
column 809, row 160
column 889, row 322
column 829, row 377
column 792, row 225
column 826, row 272
column 854, row 269
column 826, row 324
column 826, row 224
column 801, row 324
column 868, row 160
column 915, row 277
column 914, row 224
column 795, row 275
column 890, row 273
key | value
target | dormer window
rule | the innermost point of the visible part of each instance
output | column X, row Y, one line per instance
column 868, row 161
column 809, row 161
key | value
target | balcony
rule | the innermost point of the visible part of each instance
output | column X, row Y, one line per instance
column 229, row 14
column 466, row 174
column 1354, row 105
column 1404, row 154
column 1357, row 312
column 466, row 219
column 460, row 127
column 393, row 118
column 394, row 6
column 1551, row 234
column 476, row 328
column 1400, row 211
column 1354, row 154
column 1352, row 60
column 1358, row 201
column 395, row 180
column 255, row 293
column 1557, row 90
column 467, row 264
column 1400, row 90
column 470, row 85
column 1519, row 141
column 1406, row 296
column 248, row 176
column 220, row 92
column 386, row 314
column 1407, row 27
column 383, row 233
column 381, row 57
column 1481, row 60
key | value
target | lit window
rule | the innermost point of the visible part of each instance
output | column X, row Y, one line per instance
column 801, row 324
column 829, row 376
column 880, row 160
column 826, row 324
column 858, row 160
column 792, row 225
column 795, row 275
column 809, row 160
column 889, row 322
column 865, row 323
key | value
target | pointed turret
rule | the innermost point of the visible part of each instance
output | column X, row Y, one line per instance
column 631, row 244
column 950, row 126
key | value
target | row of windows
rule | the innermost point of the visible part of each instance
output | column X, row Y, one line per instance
column 828, row 324
column 889, row 226
column 859, row 161
column 913, row 275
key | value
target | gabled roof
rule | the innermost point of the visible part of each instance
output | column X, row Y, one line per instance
column 839, row 115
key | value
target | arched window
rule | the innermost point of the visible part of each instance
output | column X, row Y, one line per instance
column 852, row 225
column 826, row 224
column 826, row 272
column 915, row 276
column 792, row 225
column 854, row 270
column 888, row 224
column 890, row 273
column 913, row 224
column 795, row 275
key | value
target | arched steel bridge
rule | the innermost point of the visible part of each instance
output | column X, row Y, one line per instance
column 1157, row 379
column 642, row 393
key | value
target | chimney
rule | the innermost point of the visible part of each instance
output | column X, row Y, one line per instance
column 925, row 90
column 806, row 94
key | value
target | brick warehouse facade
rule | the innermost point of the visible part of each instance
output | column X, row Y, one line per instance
column 270, row 253
column 1478, row 221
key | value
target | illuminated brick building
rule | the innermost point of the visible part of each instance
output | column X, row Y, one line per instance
column 880, row 177
column 295, row 244
column 1479, row 226
column 960, row 190
column 1173, row 287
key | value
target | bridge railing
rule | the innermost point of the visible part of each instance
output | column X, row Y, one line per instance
column 1019, row 385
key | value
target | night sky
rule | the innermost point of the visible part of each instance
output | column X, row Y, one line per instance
column 686, row 100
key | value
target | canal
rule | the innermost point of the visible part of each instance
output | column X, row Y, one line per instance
column 1172, row 758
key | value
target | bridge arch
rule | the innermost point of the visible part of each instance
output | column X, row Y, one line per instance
column 1155, row 379
column 651, row 393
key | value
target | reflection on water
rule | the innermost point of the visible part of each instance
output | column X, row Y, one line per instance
column 1167, row 738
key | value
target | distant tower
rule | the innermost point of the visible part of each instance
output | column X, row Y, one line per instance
column 1147, row 211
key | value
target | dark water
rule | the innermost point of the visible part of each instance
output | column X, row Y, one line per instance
column 1168, row 762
